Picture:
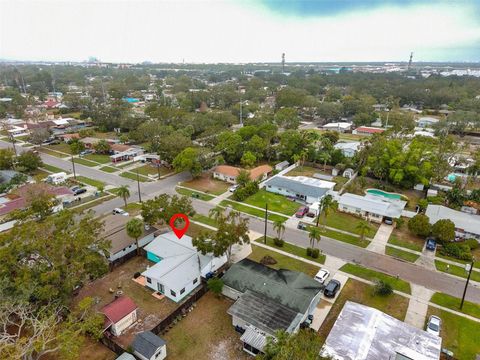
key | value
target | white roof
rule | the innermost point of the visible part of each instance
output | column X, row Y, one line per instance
column 373, row 204
column 464, row 221
column 352, row 145
column 313, row 182
column 60, row 122
column 428, row 119
column 337, row 125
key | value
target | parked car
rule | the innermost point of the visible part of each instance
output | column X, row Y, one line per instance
column 434, row 324
column 301, row 212
column 311, row 214
column 331, row 289
column 388, row 220
column 77, row 190
column 120, row 212
column 322, row 275
column 233, row 188
column 86, row 152
column 431, row 244
column 302, row 226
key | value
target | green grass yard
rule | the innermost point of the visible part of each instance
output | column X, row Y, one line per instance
column 252, row 211
column 453, row 303
column 92, row 182
column 99, row 158
column 108, row 169
column 401, row 254
column 292, row 249
column 51, row 152
column 84, row 162
column 456, row 270
column 277, row 203
column 53, row 169
column 188, row 192
column 204, row 220
column 133, row 176
column 347, row 222
column 404, row 238
column 62, row 147
column 148, row 169
column 367, row 274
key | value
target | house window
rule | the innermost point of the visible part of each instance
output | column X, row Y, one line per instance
column 149, row 280
column 158, row 354
column 173, row 293
column 195, row 280
column 161, row 288
column 182, row 291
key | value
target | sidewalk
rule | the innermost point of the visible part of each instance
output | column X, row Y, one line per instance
column 380, row 239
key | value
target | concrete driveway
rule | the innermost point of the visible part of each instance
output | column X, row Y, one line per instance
column 380, row 239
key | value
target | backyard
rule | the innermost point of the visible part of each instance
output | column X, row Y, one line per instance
column 277, row 203
column 206, row 184
column 205, row 333
column 394, row 305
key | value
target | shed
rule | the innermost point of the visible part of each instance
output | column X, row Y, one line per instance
column 282, row 165
column 148, row 346
column 348, row 173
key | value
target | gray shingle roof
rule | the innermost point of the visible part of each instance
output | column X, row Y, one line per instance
column 289, row 288
column 147, row 343
column 296, row 186
column 467, row 222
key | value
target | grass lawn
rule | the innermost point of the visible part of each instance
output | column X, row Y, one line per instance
column 339, row 181
column 133, row 176
column 27, row 145
column 252, row 211
column 23, row 138
column 367, row 274
column 53, row 169
column 84, row 162
column 277, row 203
column 453, row 303
column 206, row 184
column 39, row 175
column 347, row 222
column 456, row 270
column 108, row 169
column 354, row 240
column 404, row 255
column 124, row 164
column 204, row 219
column 475, row 253
column 187, row 192
column 394, row 304
column 51, row 152
column 92, row 182
column 133, row 208
column 293, row 249
column 195, row 229
column 93, row 203
column 404, row 238
column 303, row 171
column 63, row 147
column 99, row 158
column 205, row 333
column 283, row 262
column 459, row 335
column 148, row 169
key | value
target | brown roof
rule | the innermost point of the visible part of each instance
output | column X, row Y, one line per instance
column 118, row 309
column 120, row 147
column 233, row 171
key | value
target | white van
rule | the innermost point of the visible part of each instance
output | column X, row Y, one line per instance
column 58, row 178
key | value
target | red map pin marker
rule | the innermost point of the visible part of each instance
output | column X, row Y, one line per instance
column 179, row 232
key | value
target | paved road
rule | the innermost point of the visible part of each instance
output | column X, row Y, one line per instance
column 410, row 272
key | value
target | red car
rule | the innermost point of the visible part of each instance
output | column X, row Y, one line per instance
column 301, row 212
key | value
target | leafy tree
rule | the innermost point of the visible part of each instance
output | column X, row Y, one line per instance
column 29, row 161
column 279, row 227
column 231, row 146
column 419, row 225
column 124, row 193
column 102, row 147
column 287, row 118
column 231, row 229
column 76, row 146
column 257, row 146
column 135, row 230
column 188, row 160
column 363, row 228
column 444, row 230
column 6, row 159
column 164, row 206
column 215, row 285
column 38, row 136
column 243, row 177
column 248, row 159
column 382, row 288
column 315, row 235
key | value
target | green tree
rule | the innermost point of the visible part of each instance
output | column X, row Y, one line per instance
column 215, row 285
column 444, row 230
column 135, row 230
column 327, row 204
column 29, row 161
column 287, row 118
column 279, row 227
column 231, row 229
column 102, row 147
column 363, row 228
column 124, row 193
column 419, row 225
column 188, row 160
column 76, row 146
column 243, row 177
column 248, row 159
column 315, row 235
column 6, row 159
column 164, row 206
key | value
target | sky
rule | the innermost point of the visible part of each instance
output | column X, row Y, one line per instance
column 201, row 31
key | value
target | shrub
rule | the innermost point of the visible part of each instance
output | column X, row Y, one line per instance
column 472, row 243
column 315, row 253
column 309, row 251
column 399, row 222
column 136, row 275
column 245, row 191
column 382, row 288
column 419, row 225
column 444, row 230
column 456, row 250
column 215, row 285
column 278, row 242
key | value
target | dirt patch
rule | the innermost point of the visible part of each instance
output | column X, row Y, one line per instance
column 207, row 184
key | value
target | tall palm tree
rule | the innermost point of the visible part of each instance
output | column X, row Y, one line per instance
column 124, row 193
column 327, row 204
column 279, row 227
column 135, row 230
column 363, row 228
column 216, row 213
column 324, row 157
column 315, row 235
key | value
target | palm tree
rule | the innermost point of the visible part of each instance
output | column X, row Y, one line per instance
column 315, row 235
column 216, row 213
column 363, row 228
column 124, row 192
column 327, row 204
column 279, row 227
column 325, row 157
column 135, row 230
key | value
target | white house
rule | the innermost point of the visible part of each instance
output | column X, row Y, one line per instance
column 268, row 300
column 302, row 188
column 467, row 226
column 372, row 208
column 178, row 265
column 148, row 346
column 338, row 126
column 229, row 173
column 348, row 149
column 426, row 121
column 119, row 315
column 281, row 165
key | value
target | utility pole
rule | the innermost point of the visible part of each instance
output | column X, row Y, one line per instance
column 266, row 217
column 283, row 62
column 138, row 185
column 73, row 164
column 241, row 111
column 466, row 284
column 12, row 139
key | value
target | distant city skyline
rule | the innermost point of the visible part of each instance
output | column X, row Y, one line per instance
column 240, row 31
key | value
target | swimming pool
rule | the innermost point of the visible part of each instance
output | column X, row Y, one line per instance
column 388, row 195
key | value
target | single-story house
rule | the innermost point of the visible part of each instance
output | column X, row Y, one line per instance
column 124, row 152
column 338, row 126
column 268, row 300
column 126, row 356
column 178, row 265
column 69, row 137
column 348, row 149
column 282, row 165
column 367, row 130
column 148, row 346
column 467, row 226
column 122, row 244
column 229, row 173
column 90, row 142
column 119, row 315
column 372, row 208
column 16, row 130
column 362, row 332
column 302, row 188
column 426, row 121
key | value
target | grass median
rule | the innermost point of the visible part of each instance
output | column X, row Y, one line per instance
column 401, row 254
column 252, row 211
column 456, row 270
column 453, row 303
column 132, row 176
column 198, row 195
column 292, row 249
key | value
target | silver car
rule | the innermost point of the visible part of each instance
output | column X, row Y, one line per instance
column 434, row 325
